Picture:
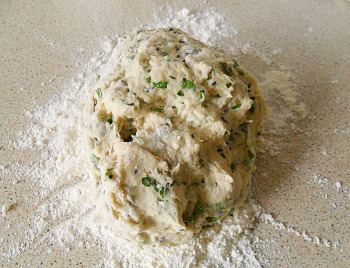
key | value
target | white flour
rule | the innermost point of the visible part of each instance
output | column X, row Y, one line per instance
column 66, row 205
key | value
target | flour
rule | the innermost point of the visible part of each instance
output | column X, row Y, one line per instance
column 207, row 27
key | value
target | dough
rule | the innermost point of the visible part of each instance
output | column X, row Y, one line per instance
column 173, row 129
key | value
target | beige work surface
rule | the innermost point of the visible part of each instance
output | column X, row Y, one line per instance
column 40, row 45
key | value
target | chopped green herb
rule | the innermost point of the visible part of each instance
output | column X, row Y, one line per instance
column 172, row 77
column 197, row 211
column 180, row 93
column 148, row 79
column 201, row 94
column 227, row 69
column 212, row 219
column 233, row 167
column 130, row 104
column 160, row 84
column 99, row 93
column 127, row 90
column 95, row 160
column 157, row 109
column 251, row 155
column 228, row 85
column 187, row 83
column 165, row 53
column 217, row 96
column 220, row 206
column 225, row 134
column 110, row 120
column 236, row 106
column 98, row 78
column 148, row 181
column 162, row 192
column 201, row 163
column 108, row 173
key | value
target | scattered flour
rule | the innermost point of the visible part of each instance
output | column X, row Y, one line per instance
column 5, row 209
column 208, row 26
column 338, row 186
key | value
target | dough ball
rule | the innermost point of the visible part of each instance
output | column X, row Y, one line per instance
column 173, row 128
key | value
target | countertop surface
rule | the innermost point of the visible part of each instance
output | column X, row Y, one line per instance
column 303, row 174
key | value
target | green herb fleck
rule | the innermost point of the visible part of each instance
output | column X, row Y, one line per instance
column 99, row 93
column 162, row 192
column 148, row 79
column 220, row 206
column 108, row 173
column 233, row 167
column 172, row 77
column 228, row 85
column 212, row 219
column 165, row 53
column 148, row 181
column 251, row 155
column 98, row 78
column 201, row 163
column 160, row 84
column 225, row 134
column 227, row 69
column 180, row 93
column 187, row 83
column 127, row 90
column 236, row 106
column 201, row 94
column 157, row 109
column 130, row 104
column 95, row 159
column 197, row 211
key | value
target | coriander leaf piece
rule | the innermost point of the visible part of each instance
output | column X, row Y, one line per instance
column 228, row 85
column 236, row 106
column 157, row 109
column 162, row 192
column 212, row 219
column 165, row 53
column 180, row 93
column 148, row 79
column 98, row 78
column 187, row 84
column 148, row 181
column 160, row 84
column 201, row 94
column 99, row 93
column 108, row 173
column 197, row 211
column 226, row 68
column 233, row 167
column 94, row 159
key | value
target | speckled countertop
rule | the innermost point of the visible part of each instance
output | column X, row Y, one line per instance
column 40, row 44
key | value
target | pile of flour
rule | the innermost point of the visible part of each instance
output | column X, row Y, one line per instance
column 66, row 199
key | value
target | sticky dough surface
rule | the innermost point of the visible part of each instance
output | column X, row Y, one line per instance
column 173, row 127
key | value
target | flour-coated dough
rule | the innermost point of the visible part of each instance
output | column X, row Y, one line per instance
column 173, row 128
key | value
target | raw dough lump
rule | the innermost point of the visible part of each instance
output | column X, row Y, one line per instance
column 173, row 127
